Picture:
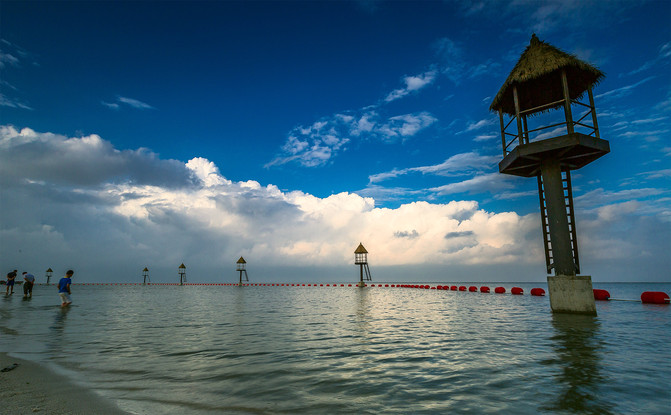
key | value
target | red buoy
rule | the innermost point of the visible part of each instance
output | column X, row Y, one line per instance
column 472, row 288
column 538, row 292
column 500, row 290
column 516, row 291
column 601, row 295
column 484, row 289
column 655, row 297
column 462, row 288
column 453, row 288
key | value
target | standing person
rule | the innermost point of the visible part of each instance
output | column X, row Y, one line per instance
column 64, row 288
column 28, row 282
column 11, row 276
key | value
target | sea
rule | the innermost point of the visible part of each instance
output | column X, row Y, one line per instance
column 212, row 349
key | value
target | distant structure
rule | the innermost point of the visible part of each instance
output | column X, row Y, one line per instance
column 182, row 274
column 145, row 276
column 241, row 268
column 545, row 79
column 48, row 275
column 361, row 259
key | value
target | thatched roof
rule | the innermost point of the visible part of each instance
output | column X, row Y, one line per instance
column 241, row 261
column 537, row 76
column 360, row 249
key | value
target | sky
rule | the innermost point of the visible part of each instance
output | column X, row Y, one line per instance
column 150, row 134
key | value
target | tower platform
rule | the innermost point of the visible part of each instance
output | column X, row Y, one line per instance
column 573, row 151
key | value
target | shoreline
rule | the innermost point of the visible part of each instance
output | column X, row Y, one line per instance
column 33, row 388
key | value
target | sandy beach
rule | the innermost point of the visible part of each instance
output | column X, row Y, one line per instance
column 31, row 388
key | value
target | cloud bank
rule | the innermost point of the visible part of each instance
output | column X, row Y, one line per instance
column 77, row 202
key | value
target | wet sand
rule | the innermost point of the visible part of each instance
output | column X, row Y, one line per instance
column 31, row 388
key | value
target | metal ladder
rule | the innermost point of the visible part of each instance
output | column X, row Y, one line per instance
column 568, row 199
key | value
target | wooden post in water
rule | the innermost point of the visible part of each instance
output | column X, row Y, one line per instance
column 145, row 275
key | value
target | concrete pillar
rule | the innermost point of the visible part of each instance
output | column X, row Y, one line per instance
column 560, row 235
column 571, row 294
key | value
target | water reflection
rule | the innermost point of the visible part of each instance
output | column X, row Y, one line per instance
column 579, row 348
column 362, row 313
column 59, row 319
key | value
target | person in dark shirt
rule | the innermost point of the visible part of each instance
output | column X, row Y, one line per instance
column 11, row 277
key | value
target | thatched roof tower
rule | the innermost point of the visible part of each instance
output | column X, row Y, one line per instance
column 537, row 76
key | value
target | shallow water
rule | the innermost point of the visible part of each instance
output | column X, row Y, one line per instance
column 226, row 349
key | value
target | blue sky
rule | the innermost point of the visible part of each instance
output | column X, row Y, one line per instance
column 150, row 133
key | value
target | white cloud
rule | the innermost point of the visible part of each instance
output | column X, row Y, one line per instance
column 317, row 144
column 130, row 102
column 412, row 84
column 122, row 216
column 406, row 125
column 485, row 137
column 664, row 53
column 128, row 217
column 206, row 171
column 457, row 165
column 6, row 101
column 491, row 182
column 622, row 91
column 477, row 125
column 601, row 197
column 8, row 59
column 450, row 59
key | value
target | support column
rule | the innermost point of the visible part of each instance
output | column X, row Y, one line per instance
column 361, row 284
column 571, row 294
column 560, row 235
column 568, row 293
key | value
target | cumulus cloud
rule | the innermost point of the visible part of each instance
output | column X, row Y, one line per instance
column 128, row 216
column 82, row 161
column 125, row 213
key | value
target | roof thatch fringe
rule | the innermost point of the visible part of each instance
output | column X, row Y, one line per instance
column 537, row 76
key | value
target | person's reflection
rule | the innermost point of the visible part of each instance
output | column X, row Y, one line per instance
column 59, row 319
column 579, row 352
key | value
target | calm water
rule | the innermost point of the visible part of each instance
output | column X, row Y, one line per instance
column 267, row 350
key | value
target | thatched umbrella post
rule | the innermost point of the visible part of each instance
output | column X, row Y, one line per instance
column 544, row 79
